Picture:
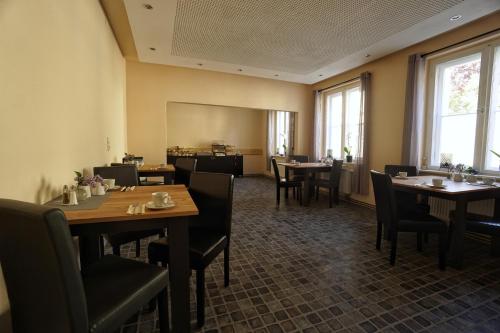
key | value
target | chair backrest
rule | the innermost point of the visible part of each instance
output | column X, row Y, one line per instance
column 183, row 169
column 299, row 158
column 336, row 172
column 394, row 169
column 213, row 195
column 41, row 273
column 276, row 170
column 124, row 175
column 385, row 200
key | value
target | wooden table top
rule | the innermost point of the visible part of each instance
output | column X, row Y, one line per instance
column 309, row 165
column 157, row 167
column 115, row 207
column 451, row 186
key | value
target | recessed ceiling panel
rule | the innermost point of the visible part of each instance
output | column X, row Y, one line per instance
column 293, row 40
column 295, row 36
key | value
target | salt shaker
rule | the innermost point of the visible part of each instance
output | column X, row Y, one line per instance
column 65, row 196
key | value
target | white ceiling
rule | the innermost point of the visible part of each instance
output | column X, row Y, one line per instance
column 292, row 40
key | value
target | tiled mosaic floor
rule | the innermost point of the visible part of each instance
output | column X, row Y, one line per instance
column 316, row 269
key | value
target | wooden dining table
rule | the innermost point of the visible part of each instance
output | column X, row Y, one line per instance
column 309, row 169
column 461, row 193
column 111, row 216
column 166, row 171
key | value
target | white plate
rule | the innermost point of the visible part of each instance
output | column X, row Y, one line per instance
column 152, row 206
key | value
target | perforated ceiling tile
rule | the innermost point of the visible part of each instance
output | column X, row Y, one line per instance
column 296, row 36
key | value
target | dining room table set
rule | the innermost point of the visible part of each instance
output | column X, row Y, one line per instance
column 461, row 193
column 135, row 208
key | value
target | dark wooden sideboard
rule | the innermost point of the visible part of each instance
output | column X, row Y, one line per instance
column 222, row 164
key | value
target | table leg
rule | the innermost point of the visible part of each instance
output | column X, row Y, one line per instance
column 287, row 177
column 456, row 253
column 307, row 190
column 90, row 250
column 178, row 240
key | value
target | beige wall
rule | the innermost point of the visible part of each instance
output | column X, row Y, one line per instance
column 150, row 87
column 62, row 85
column 388, row 94
column 198, row 125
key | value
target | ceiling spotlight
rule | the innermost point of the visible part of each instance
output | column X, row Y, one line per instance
column 152, row 49
column 240, row 70
column 199, row 64
column 276, row 75
column 320, row 75
column 147, row 6
column 455, row 18
column 367, row 55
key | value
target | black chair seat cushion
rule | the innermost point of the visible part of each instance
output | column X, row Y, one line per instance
column 322, row 182
column 487, row 226
column 427, row 224
column 418, row 212
column 119, row 238
column 290, row 183
column 204, row 246
column 116, row 287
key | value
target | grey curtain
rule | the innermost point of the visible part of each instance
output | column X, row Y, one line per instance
column 291, row 133
column 271, row 137
column 318, row 126
column 414, row 111
column 361, row 175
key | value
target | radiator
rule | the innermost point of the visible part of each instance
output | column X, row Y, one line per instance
column 345, row 181
column 441, row 208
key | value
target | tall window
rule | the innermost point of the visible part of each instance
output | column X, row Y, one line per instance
column 464, row 109
column 282, row 127
column 342, row 120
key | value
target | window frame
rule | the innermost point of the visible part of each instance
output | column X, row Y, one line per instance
column 326, row 94
column 487, row 52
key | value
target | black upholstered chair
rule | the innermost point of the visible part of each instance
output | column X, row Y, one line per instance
column 484, row 225
column 183, row 169
column 410, row 205
column 47, row 293
column 298, row 174
column 332, row 183
column 394, row 170
column 284, row 183
column 209, row 232
column 125, row 175
column 387, row 213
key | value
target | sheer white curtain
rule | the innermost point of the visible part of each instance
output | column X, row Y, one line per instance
column 271, row 136
column 318, row 126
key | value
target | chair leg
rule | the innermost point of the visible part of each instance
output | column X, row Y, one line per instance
column 419, row 241
column 278, row 194
column 286, row 192
column 426, row 237
column 336, row 195
column 116, row 250
column 200, row 297
column 317, row 193
column 330, row 197
column 394, row 246
column 443, row 247
column 495, row 246
column 226, row 266
column 379, row 235
column 293, row 192
column 137, row 248
column 163, row 310
column 101, row 246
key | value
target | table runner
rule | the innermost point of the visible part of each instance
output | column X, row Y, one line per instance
column 93, row 202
